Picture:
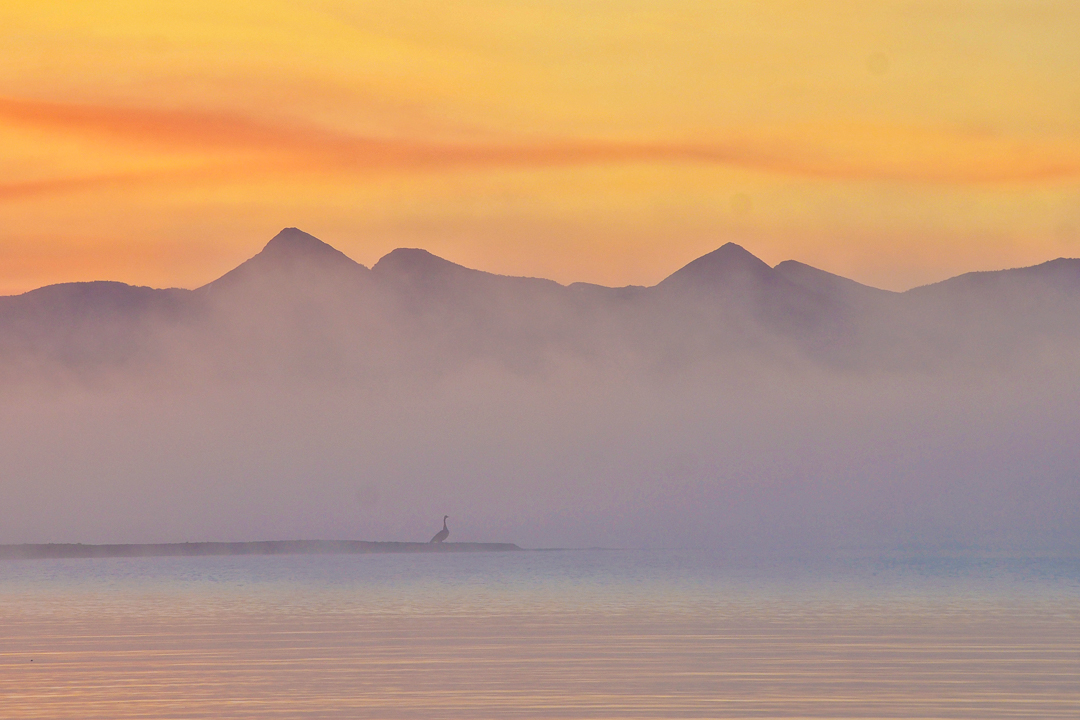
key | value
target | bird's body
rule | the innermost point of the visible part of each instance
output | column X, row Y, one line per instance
column 442, row 534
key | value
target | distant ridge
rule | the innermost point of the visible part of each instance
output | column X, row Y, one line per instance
column 292, row 248
column 422, row 271
column 265, row 547
column 412, row 261
column 1060, row 274
column 722, row 265
column 813, row 279
column 300, row 305
column 759, row 407
column 294, row 243
column 291, row 251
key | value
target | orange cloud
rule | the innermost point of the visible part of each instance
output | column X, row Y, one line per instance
column 171, row 128
column 876, row 154
column 130, row 180
column 16, row 191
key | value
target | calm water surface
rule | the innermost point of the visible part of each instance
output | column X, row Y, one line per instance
column 571, row 634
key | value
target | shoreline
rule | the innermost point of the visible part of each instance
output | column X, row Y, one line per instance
column 264, row 547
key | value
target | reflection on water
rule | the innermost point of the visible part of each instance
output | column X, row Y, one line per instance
column 589, row 634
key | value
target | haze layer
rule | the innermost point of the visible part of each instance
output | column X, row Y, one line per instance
column 734, row 405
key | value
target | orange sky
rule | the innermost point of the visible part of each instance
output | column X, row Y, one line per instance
column 894, row 142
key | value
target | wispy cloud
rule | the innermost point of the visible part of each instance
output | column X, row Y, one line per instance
column 122, row 180
column 287, row 147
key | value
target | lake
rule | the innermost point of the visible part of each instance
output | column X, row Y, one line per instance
column 539, row 634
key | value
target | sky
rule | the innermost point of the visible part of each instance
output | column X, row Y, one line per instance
column 897, row 143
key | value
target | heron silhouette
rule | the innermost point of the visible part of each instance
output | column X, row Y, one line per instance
column 442, row 534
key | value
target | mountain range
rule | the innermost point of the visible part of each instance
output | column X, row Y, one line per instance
column 732, row 405
column 300, row 305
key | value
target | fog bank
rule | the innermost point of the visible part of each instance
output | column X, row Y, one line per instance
column 735, row 406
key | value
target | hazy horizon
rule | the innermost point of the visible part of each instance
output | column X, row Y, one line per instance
column 733, row 406
column 136, row 283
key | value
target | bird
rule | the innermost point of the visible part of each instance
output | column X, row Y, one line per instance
column 442, row 534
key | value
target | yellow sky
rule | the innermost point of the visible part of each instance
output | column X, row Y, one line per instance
column 611, row 141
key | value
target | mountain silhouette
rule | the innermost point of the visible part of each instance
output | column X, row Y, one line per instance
column 305, row 304
column 450, row 311
column 827, row 284
column 729, row 266
column 422, row 274
column 420, row 266
column 732, row 405
column 291, row 256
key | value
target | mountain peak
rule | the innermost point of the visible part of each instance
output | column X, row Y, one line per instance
column 292, row 246
column 728, row 262
column 416, row 262
column 293, row 243
column 731, row 255
column 290, row 251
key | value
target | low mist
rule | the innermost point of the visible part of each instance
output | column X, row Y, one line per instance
column 731, row 408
